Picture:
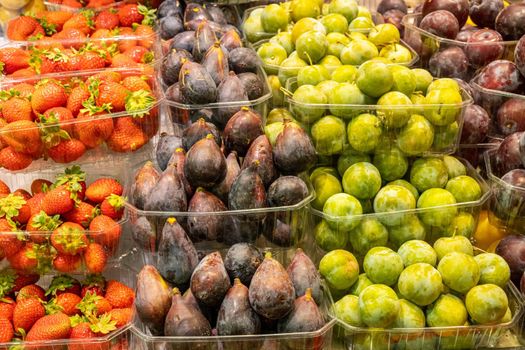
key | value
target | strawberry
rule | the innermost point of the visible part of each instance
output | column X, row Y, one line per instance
column 136, row 83
column 106, row 20
column 13, row 160
column 121, row 316
column 21, row 280
column 94, row 284
column 133, row 13
column 68, row 303
column 95, row 305
column 75, row 180
column 6, row 330
column 31, row 291
column 7, row 305
column 48, row 95
column 50, row 327
column 60, row 115
column 17, row 108
column 23, row 28
column 67, row 151
column 23, row 136
column 14, row 209
column 20, row 192
column 101, row 188
column 27, row 312
column 94, row 132
column 95, row 258
column 63, row 284
column 107, row 231
column 58, row 201
column 126, row 136
column 72, row 3
column 76, row 98
column 91, row 60
column 82, row 214
column 40, row 186
column 25, row 259
column 146, row 34
column 43, row 64
column 108, row 76
column 114, row 95
column 69, row 238
column 82, row 21
column 126, row 42
column 40, row 224
column 119, row 295
column 13, row 59
column 67, row 263
column 4, row 189
column 55, row 18
column 74, row 37
column 139, row 54
column 113, row 206
column 81, row 331
column 35, row 203
column 9, row 243
column 24, row 73
column 24, row 89
column 120, row 60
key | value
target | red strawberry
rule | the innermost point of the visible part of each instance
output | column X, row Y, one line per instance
column 25, row 259
column 67, row 151
column 81, row 331
column 113, row 206
column 6, row 330
column 63, row 284
column 119, row 295
column 107, row 232
column 20, row 192
column 50, row 327
column 48, row 95
column 35, row 203
column 94, row 132
column 82, row 21
column 27, row 312
column 22, row 280
column 4, row 189
column 68, row 303
column 121, row 316
column 31, row 291
column 23, row 28
column 67, row 263
column 69, row 238
column 72, row 3
column 24, row 73
column 23, row 136
column 13, row 59
column 136, row 83
column 113, row 94
column 139, row 54
column 147, row 35
column 76, row 98
column 55, row 18
column 94, row 284
column 7, row 305
column 95, row 258
column 17, row 108
column 127, row 136
column 75, row 181
column 82, row 214
column 9, row 243
column 39, row 225
column 90, row 60
column 12, row 160
column 73, row 37
column 106, row 20
column 133, row 13
column 120, row 60
column 40, row 186
column 60, row 115
column 25, row 89
column 15, row 209
column 58, row 201
column 102, row 188
column 107, row 76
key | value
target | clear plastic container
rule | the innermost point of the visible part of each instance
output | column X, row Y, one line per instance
column 427, row 44
column 120, row 147
column 305, row 112
column 507, row 205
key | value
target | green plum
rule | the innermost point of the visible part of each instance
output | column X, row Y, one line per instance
column 361, row 283
column 368, row 234
column 423, row 79
column 410, row 229
column 487, row 303
column 278, row 115
column 345, row 211
column 340, row 269
column 460, row 271
column 493, row 268
column 327, row 86
column 272, row 53
column 374, row 78
column 464, row 188
column 364, row 132
column 363, row 11
column 308, row 94
column 253, row 29
column 346, row 309
column 323, row 170
column 348, row 158
column 446, row 137
column 284, row 39
column 420, row 283
column 445, row 212
column 358, row 52
column 274, row 18
column 361, row 23
column 273, row 130
column 366, row 204
column 445, row 245
column 394, row 106
column 447, row 311
column 357, row 36
column 362, row 180
column 443, row 83
column 311, row 46
column 277, row 94
column 289, row 68
column 328, row 239
column 417, row 136
column 325, row 186
column 444, row 106
column 407, row 185
column 383, row 265
column 391, row 199
column 409, row 316
column 454, row 167
column 378, row 306
column 342, row 95
column 304, row 8
column 463, row 224
column 335, row 23
column 336, row 43
column 328, row 135
column 404, row 79
column 312, row 75
column 344, row 74
column 384, row 34
column 427, row 173
column 417, row 251
column 330, row 62
column 418, row 100
column 391, row 162
column 396, row 53
column 305, row 25
column 347, row 8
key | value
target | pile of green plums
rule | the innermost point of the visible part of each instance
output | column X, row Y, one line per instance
column 420, row 201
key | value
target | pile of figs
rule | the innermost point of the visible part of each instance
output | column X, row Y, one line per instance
column 245, row 293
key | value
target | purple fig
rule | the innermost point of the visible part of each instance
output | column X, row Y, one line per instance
column 145, row 180
column 144, row 234
column 205, row 164
column 216, row 14
column 195, row 14
column 153, row 299
column 294, row 151
column 244, row 59
column 165, row 147
column 260, row 150
column 286, row 191
column 183, row 41
column 304, row 275
column 173, row 93
column 236, row 317
column 172, row 64
column 216, row 62
column 231, row 40
column 210, row 227
column 247, row 191
column 242, row 128
column 242, row 260
column 189, row 298
column 209, row 281
column 184, row 320
column 204, row 39
column 253, row 85
column 178, row 159
column 232, row 171
column 199, row 130
column 196, row 84
column 271, row 291
column 230, row 89
column 176, row 256
column 281, row 234
column 168, row 194
column 305, row 316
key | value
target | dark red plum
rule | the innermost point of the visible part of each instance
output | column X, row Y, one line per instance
column 483, row 47
column 395, row 17
column 441, row 23
column 508, row 154
column 512, row 249
column 231, row 89
column 168, row 194
column 184, row 320
column 207, row 228
column 465, row 33
column 165, row 147
column 169, row 8
column 510, row 22
column 195, row 14
column 304, row 275
column 502, row 75
column 242, row 260
column 236, row 317
column 459, row 8
column 178, row 159
column 484, row 12
column 144, row 234
column 451, row 63
column 305, row 317
column 145, row 180
column 475, row 126
column 247, row 191
column 519, row 55
column 172, row 64
column 183, row 41
column 386, row 5
column 281, row 234
column 511, row 116
column 241, row 129
column 205, row 164
column 199, row 130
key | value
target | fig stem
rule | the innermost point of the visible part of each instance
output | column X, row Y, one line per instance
column 171, row 221
column 308, row 294
column 237, row 281
column 268, row 255
column 179, row 149
column 210, row 136
column 175, row 291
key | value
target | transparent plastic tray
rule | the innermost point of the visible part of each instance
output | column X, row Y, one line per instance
column 427, row 44
column 431, row 233
column 381, row 111
column 507, row 205
column 186, row 113
column 118, row 339
column 52, row 6
column 103, row 152
column 434, row 338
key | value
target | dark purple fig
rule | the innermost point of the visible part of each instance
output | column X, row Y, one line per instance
column 205, row 164
column 242, row 129
column 199, row 130
column 241, row 261
column 176, row 256
column 169, row 8
column 216, row 14
column 305, row 316
column 294, row 151
column 144, row 234
column 170, row 26
column 204, row 39
column 232, row 171
column 231, row 40
column 189, row 298
column 184, row 320
column 281, row 234
column 243, row 59
column 173, row 93
column 168, row 194
column 196, row 84
column 286, row 191
column 304, row 275
column 178, row 158
column 153, row 299
column 145, row 180
column 172, row 64
column 260, row 150
column 271, row 291
column 253, row 85
column 165, row 147
column 236, row 317
column 183, row 41
column 210, row 281
column 230, row 89
column 195, row 14
column 209, row 227
column 216, row 62
column 247, row 191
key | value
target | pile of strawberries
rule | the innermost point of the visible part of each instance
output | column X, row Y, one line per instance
column 127, row 20
column 74, row 4
column 62, row 119
column 67, row 309
column 64, row 225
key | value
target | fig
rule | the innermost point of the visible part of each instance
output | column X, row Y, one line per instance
column 304, row 276
column 196, row 84
column 168, row 193
column 253, row 85
column 172, row 64
column 216, row 15
column 195, row 14
column 232, row 170
column 236, row 317
column 230, row 89
column 176, row 257
column 247, row 191
column 190, row 299
column 242, row 128
column 153, row 299
column 231, row 40
column 178, row 159
column 183, row 41
column 241, row 261
column 208, row 228
column 209, row 281
column 243, row 59
column 173, row 93
column 294, row 151
column 204, row 39
column 281, row 234
column 199, row 130
column 260, row 150
column 305, row 316
column 144, row 234
column 271, row 291
column 170, row 26
column 145, row 180
column 216, row 62
column 205, row 164
column 286, row 191
column 165, row 148
column 184, row 320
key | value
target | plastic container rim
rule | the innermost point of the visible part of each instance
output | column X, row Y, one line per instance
column 492, row 177
column 484, row 90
